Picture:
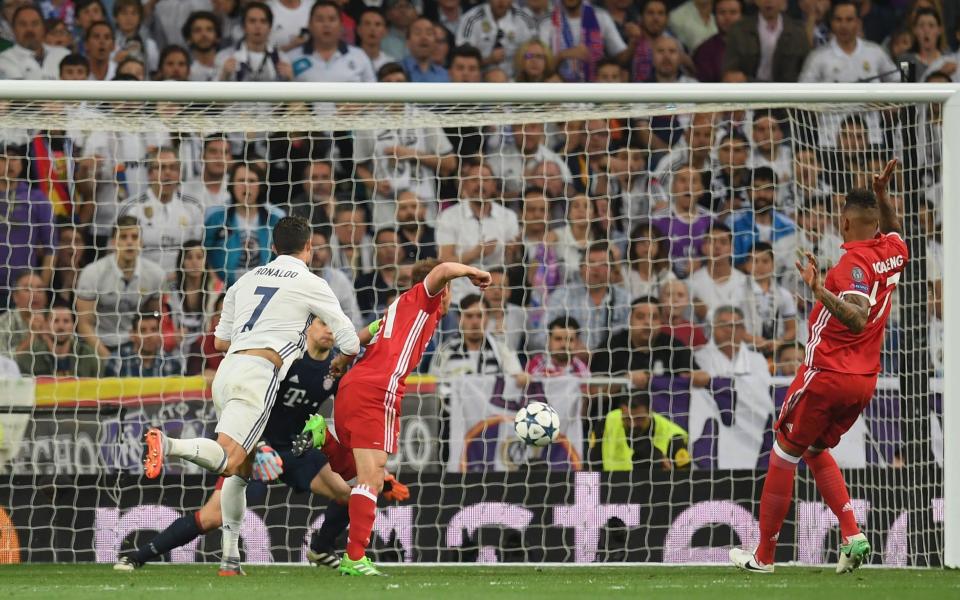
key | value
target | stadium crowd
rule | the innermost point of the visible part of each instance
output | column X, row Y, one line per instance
column 642, row 248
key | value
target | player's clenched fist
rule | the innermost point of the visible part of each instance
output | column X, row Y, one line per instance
column 479, row 278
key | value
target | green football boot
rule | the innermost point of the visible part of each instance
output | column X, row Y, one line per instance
column 314, row 435
column 853, row 554
column 363, row 567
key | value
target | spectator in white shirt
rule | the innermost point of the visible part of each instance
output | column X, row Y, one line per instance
column 717, row 282
column 290, row 18
column 340, row 284
column 202, row 33
column 255, row 58
column 848, row 58
column 496, row 28
column 99, row 44
column 505, row 320
column 771, row 319
column 478, row 230
column 770, row 150
column 168, row 216
column 326, row 57
column 211, row 188
column 29, row 58
column 693, row 22
column 371, row 29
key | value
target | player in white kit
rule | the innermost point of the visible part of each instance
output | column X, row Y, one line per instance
column 263, row 331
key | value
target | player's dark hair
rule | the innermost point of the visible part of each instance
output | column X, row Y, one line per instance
column 75, row 60
column 421, row 269
column 291, row 235
column 200, row 15
column 632, row 399
column 469, row 300
column 125, row 221
column 262, row 6
column 564, row 322
column 860, row 198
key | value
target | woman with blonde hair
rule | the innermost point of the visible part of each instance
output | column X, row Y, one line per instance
column 533, row 62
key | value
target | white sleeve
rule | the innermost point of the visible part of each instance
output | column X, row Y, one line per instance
column 611, row 37
column 324, row 304
column 437, row 142
column 787, row 308
column 809, row 73
column 886, row 69
column 546, row 34
column 224, row 330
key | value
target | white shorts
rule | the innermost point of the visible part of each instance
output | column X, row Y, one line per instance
column 244, row 390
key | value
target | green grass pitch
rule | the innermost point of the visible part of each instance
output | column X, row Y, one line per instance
column 100, row 582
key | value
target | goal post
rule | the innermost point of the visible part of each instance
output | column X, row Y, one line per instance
column 522, row 499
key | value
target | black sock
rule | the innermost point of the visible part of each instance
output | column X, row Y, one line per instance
column 336, row 519
column 180, row 532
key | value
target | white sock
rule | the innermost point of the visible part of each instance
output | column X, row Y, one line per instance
column 233, row 504
column 203, row 452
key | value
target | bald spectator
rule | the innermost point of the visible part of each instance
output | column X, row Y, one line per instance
column 768, row 46
column 708, row 57
column 667, row 54
column 419, row 62
column 29, row 57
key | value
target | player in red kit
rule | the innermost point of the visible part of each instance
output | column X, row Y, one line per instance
column 839, row 375
column 367, row 406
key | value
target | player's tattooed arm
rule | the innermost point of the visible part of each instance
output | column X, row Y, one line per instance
column 851, row 310
column 889, row 221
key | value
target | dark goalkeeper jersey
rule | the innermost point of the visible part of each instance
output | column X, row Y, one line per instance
column 300, row 395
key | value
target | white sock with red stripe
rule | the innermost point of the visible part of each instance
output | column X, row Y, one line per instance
column 363, row 511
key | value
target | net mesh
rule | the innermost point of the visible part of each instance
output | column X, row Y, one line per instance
column 579, row 210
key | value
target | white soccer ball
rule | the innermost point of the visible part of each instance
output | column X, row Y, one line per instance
column 537, row 424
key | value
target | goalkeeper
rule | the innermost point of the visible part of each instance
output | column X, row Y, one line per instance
column 307, row 386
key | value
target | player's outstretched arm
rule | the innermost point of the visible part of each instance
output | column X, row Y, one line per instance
column 444, row 273
column 889, row 221
column 851, row 310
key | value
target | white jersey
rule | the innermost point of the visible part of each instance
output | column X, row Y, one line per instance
column 271, row 307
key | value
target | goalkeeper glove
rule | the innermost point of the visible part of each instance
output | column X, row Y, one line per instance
column 267, row 464
column 393, row 490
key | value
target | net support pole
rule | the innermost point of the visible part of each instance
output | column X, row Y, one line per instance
column 951, row 333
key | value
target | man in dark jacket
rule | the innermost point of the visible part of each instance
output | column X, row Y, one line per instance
column 769, row 46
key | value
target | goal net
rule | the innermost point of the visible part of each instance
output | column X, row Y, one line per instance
column 643, row 286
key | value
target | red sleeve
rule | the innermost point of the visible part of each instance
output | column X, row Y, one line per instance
column 897, row 245
column 851, row 275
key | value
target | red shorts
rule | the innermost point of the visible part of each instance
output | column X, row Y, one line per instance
column 821, row 406
column 367, row 417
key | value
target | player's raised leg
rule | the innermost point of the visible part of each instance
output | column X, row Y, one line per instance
column 363, row 511
column 854, row 549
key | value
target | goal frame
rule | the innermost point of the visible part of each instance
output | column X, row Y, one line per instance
column 832, row 93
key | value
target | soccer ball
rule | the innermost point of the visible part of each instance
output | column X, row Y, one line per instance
column 537, row 424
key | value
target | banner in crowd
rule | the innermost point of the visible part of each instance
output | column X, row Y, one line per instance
column 482, row 408
column 496, row 517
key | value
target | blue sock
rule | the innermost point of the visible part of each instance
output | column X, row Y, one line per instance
column 336, row 519
column 180, row 532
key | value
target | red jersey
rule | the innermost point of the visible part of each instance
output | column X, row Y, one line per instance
column 870, row 268
column 407, row 327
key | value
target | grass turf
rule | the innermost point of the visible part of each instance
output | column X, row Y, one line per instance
column 190, row 582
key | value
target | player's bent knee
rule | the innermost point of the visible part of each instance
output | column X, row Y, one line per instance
column 788, row 446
